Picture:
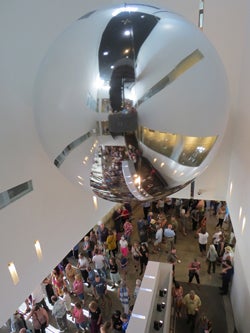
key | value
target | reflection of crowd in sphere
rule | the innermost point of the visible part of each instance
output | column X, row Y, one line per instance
column 112, row 157
column 133, row 153
column 112, row 167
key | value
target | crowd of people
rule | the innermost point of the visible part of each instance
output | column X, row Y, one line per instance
column 80, row 285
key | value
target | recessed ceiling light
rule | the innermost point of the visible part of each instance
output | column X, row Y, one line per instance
column 127, row 33
column 243, row 224
column 95, row 201
column 231, row 188
column 240, row 212
column 13, row 273
column 38, row 250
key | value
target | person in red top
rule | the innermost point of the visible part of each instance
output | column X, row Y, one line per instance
column 124, row 214
column 80, row 320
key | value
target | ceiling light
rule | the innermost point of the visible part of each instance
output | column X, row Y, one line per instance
column 231, row 188
column 200, row 149
column 13, row 273
column 105, row 53
column 95, row 201
column 138, row 180
column 127, row 33
column 38, row 250
column 243, row 224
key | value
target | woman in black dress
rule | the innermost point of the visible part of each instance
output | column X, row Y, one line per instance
column 143, row 253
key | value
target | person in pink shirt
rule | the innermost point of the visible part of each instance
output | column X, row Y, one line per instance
column 78, row 287
column 128, row 229
column 80, row 320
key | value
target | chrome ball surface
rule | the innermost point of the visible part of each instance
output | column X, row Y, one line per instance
column 138, row 112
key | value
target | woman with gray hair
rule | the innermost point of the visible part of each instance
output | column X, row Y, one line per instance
column 211, row 258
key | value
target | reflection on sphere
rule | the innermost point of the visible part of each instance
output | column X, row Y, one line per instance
column 131, row 115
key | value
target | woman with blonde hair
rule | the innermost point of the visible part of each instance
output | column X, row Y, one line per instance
column 70, row 273
column 78, row 287
column 211, row 258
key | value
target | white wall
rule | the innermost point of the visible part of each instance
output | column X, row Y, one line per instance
column 57, row 212
column 239, row 197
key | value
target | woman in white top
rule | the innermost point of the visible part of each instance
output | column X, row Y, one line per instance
column 123, row 246
column 202, row 238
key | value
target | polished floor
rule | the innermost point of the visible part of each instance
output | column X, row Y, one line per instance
column 215, row 306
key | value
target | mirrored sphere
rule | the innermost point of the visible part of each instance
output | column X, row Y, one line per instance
column 131, row 101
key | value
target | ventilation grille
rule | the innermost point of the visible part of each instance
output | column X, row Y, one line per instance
column 14, row 193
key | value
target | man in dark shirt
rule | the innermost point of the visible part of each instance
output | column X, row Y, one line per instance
column 102, row 232
column 125, row 321
column 227, row 274
column 116, row 321
column 100, row 287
